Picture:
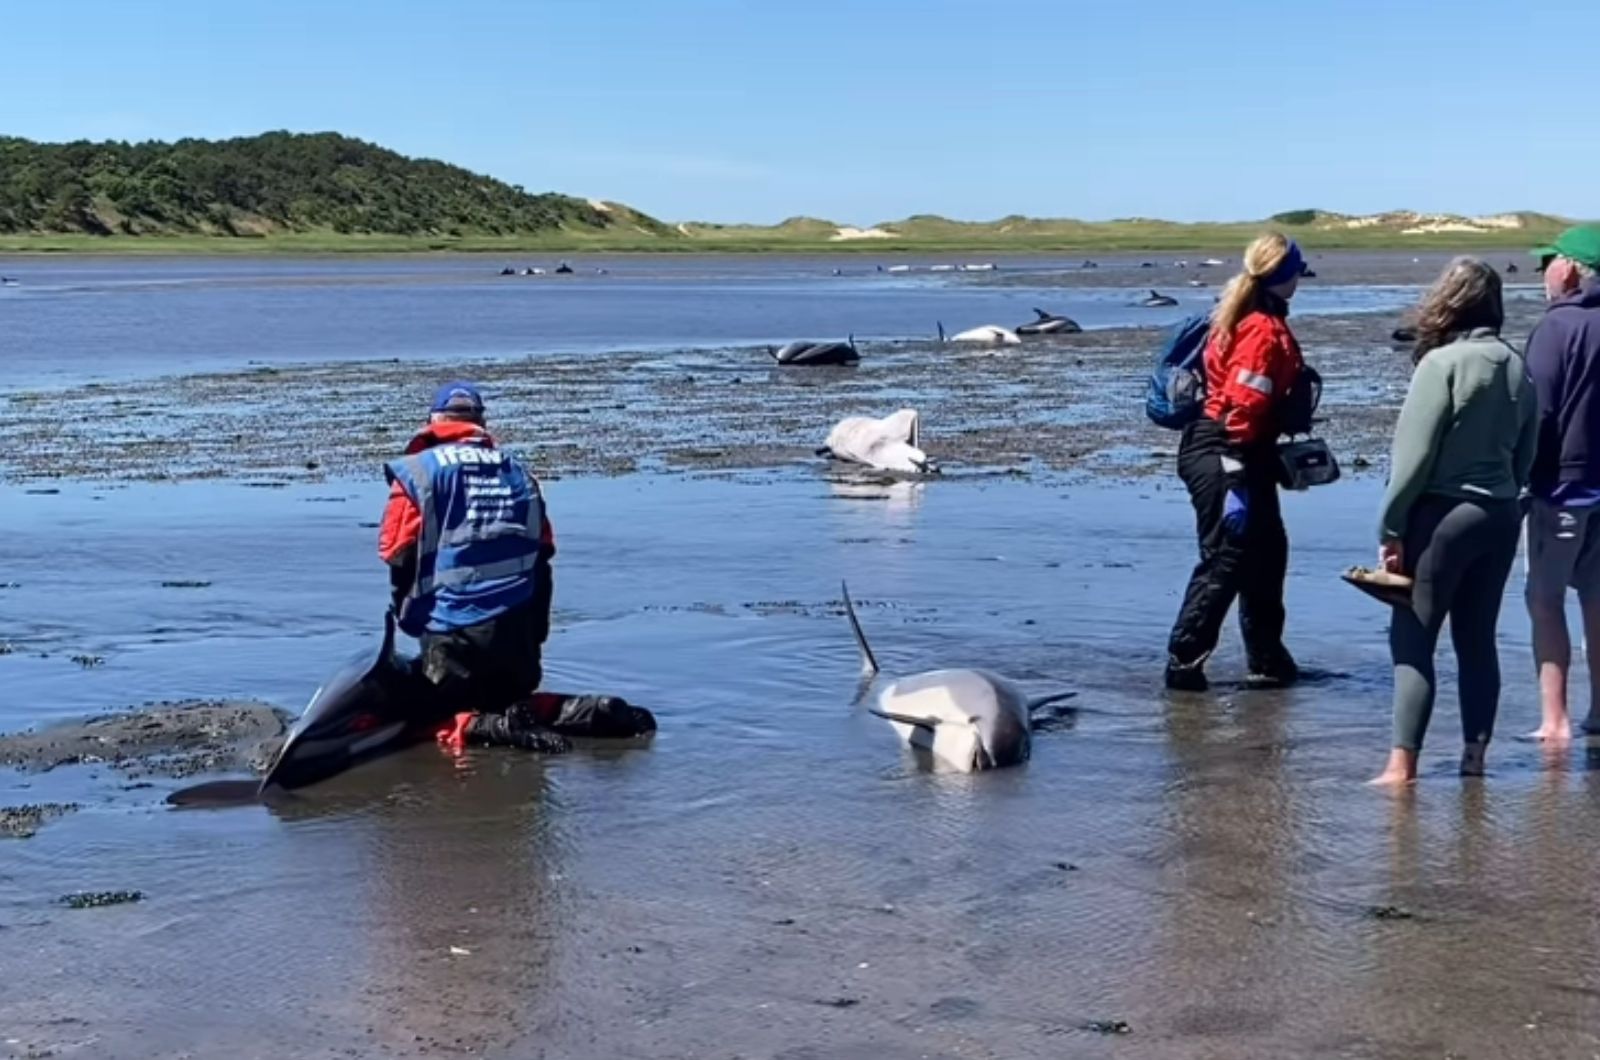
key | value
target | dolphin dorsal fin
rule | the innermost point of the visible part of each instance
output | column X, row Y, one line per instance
column 940, row 325
column 1041, row 314
column 869, row 663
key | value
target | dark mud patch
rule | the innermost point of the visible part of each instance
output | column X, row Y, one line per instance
column 166, row 740
column 99, row 899
column 24, row 822
column 1057, row 404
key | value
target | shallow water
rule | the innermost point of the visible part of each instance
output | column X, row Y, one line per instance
column 773, row 876
column 73, row 319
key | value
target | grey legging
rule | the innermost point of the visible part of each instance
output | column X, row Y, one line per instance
column 1460, row 553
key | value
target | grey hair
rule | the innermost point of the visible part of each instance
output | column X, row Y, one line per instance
column 1466, row 295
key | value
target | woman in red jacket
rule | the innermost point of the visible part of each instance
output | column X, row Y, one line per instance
column 1228, row 460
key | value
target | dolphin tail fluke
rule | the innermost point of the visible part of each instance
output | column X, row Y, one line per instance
column 869, row 662
column 850, row 340
column 1044, row 701
column 940, row 325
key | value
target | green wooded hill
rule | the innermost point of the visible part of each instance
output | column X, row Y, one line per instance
column 276, row 183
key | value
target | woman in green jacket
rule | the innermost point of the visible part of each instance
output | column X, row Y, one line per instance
column 1463, row 449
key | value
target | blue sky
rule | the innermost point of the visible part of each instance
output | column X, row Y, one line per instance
column 869, row 110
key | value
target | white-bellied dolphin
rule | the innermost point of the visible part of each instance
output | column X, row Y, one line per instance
column 968, row 720
column 984, row 335
column 890, row 444
column 1156, row 300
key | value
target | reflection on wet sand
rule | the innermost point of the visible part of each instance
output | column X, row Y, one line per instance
column 456, row 906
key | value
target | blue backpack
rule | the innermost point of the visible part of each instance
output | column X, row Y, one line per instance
column 1177, row 392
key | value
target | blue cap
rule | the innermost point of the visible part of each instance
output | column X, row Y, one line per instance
column 459, row 397
column 1291, row 267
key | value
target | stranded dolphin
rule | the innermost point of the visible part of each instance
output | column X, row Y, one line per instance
column 968, row 720
column 1048, row 324
column 986, row 335
column 378, row 704
column 890, row 444
column 816, row 353
column 1156, row 300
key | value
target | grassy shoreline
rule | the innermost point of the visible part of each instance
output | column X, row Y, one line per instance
column 1110, row 238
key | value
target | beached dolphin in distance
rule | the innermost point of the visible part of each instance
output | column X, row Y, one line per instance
column 1211, row 263
column 1156, row 300
column 1049, row 324
column 890, row 444
column 968, row 720
column 987, row 266
column 985, row 335
column 898, row 268
column 812, row 354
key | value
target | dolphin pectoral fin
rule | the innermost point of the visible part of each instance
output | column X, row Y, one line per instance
column 903, row 719
column 823, row 450
column 216, row 794
column 869, row 664
column 1044, row 701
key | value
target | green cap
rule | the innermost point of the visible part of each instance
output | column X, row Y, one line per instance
column 1580, row 243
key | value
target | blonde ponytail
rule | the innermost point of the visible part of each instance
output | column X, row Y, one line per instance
column 1243, row 293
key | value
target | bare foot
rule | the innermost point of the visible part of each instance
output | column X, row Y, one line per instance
column 1472, row 759
column 1557, row 732
column 1399, row 772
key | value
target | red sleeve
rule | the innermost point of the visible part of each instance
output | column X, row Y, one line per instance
column 1262, row 366
column 401, row 526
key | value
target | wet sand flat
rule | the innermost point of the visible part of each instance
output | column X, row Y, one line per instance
column 772, row 877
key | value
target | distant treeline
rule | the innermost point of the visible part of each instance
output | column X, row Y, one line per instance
column 274, row 183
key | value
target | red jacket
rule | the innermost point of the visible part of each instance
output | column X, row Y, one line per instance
column 402, row 522
column 1244, row 385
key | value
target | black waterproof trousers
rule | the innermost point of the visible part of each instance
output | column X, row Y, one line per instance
column 1250, row 564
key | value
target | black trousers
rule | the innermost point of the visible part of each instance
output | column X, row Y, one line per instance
column 1460, row 553
column 1250, row 565
column 487, row 667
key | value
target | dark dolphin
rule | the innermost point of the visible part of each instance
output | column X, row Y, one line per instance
column 1512, row 267
column 563, row 269
column 508, row 271
column 1156, row 301
column 812, row 354
column 1048, row 324
column 1090, row 265
column 1403, row 336
column 376, row 705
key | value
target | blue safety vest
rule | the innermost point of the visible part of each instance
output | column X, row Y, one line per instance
column 482, row 517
